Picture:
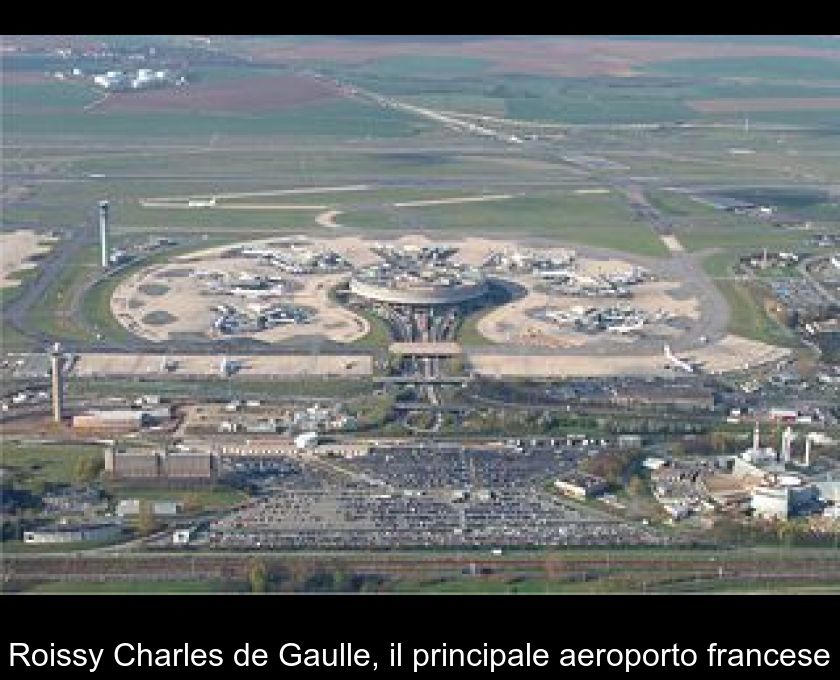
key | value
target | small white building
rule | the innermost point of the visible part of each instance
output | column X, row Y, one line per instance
column 130, row 507
column 182, row 537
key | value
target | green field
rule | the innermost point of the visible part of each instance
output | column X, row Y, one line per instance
column 332, row 119
column 38, row 466
column 48, row 97
column 763, row 68
column 52, row 314
column 601, row 221
column 748, row 317
column 426, row 66
column 136, row 587
column 194, row 499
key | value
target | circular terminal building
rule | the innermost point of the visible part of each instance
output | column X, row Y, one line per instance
column 418, row 277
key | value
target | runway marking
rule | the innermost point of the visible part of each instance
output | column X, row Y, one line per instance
column 449, row 201
column 271, row 192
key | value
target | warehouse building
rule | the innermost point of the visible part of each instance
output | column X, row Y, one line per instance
column 782, row 502
column 121, row 420
column 582, row 486
column 130, row 507
column 163, row 466
column 73, row 533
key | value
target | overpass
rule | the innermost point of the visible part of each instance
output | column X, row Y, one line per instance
column 425, row 349
column 421, row 380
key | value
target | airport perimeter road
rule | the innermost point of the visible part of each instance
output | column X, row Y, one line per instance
column 64, row 252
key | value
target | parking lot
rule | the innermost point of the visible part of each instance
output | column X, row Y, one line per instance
column 419, row 496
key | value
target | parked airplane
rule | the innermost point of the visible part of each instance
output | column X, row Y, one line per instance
column 681, row 364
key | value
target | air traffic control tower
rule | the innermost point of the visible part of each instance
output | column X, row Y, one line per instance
column 57, row 370
column 104, row 249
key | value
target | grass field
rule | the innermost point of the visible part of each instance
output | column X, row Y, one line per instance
column 136, row 587
column 427, row 66
column 748, row 317
column 37, row 466
column 52, row 314
column 379, row 335
column 745, row 238
column 601, row 221
column 11, row 340
column 194, row 499
column 331, row 119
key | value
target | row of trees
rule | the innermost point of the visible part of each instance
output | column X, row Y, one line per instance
column 299, row 577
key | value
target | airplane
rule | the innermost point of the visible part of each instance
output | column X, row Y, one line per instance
column 626, row 328
column 202, row 203
column 681, row 364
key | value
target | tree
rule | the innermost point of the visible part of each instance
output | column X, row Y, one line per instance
column 719, row 441
column 457, row 365
column 88, row 468
column 258, row 576
column 785, row 532
column 146, row 522
column 636, row 485
column 193, row 502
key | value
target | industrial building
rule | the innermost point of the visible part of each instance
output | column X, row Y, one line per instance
column 781, row 502
column 131, row 507
column 142, row 79
column 670, row 396
column 161, row 466
column 579, row 485
column 121, row 420
column 73, row 533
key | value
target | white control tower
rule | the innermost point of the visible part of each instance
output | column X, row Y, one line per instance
column 104, row 248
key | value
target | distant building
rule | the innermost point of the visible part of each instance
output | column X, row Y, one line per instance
column 184, row 466
column 182, row 536
column 121, row 420
column 580, row 485
column 306, row 440
column 781, row 502
column 132, row 507
column 685, row 397
column 72, row 533
column 629, row 441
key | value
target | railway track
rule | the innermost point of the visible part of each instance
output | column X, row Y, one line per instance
column 168, row 566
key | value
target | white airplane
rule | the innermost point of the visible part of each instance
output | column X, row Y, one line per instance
column 260, row 293
column 202, row 203
column 626, row 328
column 677, row 362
